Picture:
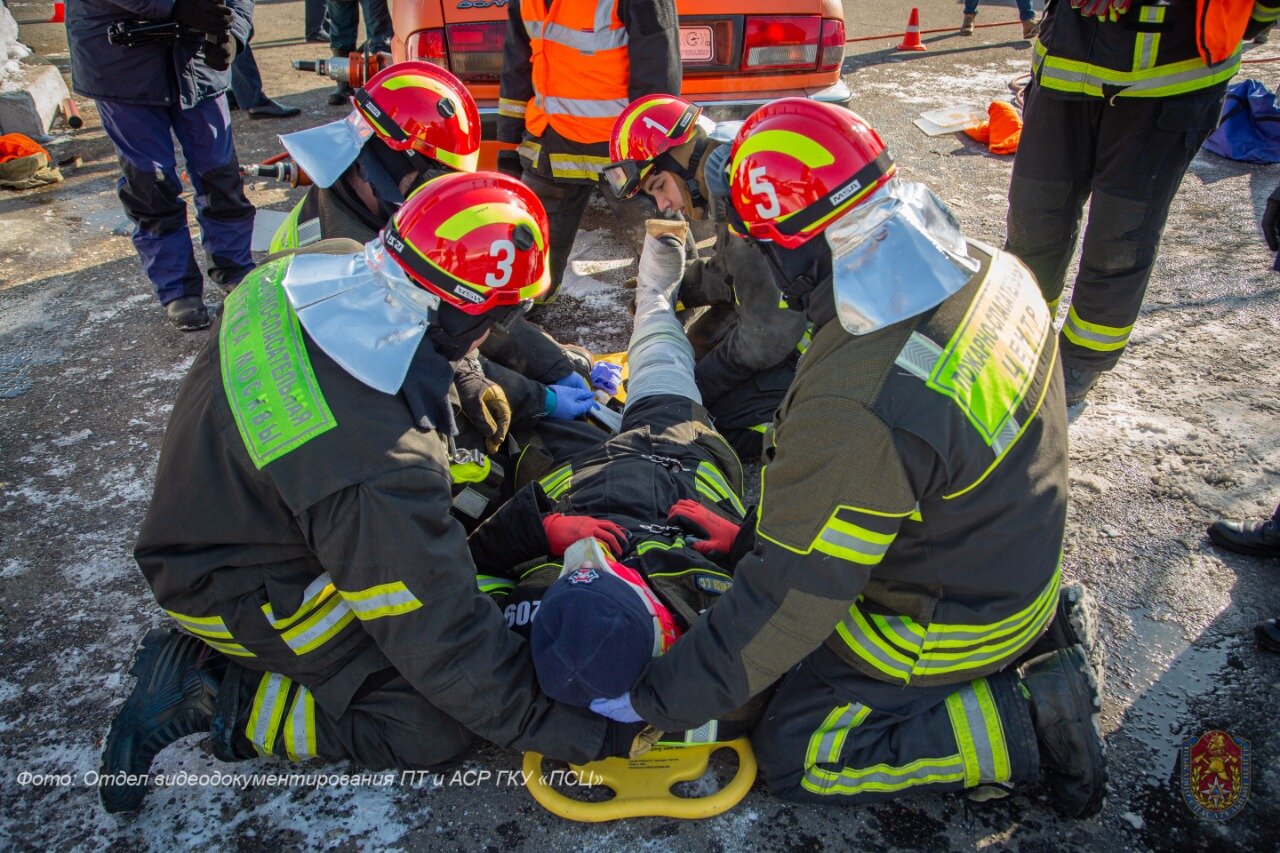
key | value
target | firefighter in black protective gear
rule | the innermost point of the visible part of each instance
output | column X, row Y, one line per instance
column 569, row 70
column 1121, row 98
column 414, row 121
column 908, row 542
column 746, row 342
column 332, row 589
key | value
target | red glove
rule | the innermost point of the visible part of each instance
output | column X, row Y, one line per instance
column 564, row 530
column 716, row 533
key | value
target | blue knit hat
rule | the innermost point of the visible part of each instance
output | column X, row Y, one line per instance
column 591, row 637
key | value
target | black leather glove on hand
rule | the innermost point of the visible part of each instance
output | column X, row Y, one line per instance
column 484, row 402
column 1271, row 221
column 206, row 16
column 219, row 54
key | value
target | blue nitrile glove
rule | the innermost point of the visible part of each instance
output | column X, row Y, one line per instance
column 566, row 403
column 573, row 380
column 607, row 376
column 618, row 709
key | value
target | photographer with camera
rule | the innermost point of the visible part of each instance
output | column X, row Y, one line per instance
column 150, row 83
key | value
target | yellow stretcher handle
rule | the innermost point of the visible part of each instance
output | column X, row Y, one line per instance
column 642, row 786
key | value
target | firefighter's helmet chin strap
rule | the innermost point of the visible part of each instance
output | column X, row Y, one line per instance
column 690, row 174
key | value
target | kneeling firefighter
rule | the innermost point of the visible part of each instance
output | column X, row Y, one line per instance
column 905, row 572
column 747, row 343
column 411, row 122
column 331, row 601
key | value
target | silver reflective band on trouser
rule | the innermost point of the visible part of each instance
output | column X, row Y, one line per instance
column 584, row 107
column 362, row 311
column 894, row 256
column 325, row 152
column 979, row 733
column 300, row 726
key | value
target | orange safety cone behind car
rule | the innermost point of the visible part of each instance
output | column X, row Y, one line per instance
column 1002, row 129
column 911, row 39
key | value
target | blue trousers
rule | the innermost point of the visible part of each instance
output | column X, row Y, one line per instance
column 151, row 192
column 344, row 21
column 1025, row 12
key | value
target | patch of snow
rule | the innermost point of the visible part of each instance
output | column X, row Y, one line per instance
column 11, row 50
column 73, row 438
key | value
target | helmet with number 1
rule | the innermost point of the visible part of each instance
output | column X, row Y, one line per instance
column 648, row 128
column 478, row 241
column 797, row 165
column 420, row 108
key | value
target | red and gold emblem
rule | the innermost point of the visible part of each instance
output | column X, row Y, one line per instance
column 1215, row 775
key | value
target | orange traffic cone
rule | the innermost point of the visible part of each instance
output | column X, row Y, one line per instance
column 911, row 39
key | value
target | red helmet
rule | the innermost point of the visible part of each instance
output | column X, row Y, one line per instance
column 797, row 165
column 477, row 241
column 647, row 128
column 420, row 108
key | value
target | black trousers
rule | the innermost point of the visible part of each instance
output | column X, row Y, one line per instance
column 1129, row 155
column 565, row 203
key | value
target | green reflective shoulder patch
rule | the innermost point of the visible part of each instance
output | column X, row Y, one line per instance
column 991, row 360
column 266, row 373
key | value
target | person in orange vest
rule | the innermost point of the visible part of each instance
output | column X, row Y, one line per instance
column 569, row 69
column 1121, row 98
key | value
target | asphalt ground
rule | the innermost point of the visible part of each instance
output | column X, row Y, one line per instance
column 1183, row 431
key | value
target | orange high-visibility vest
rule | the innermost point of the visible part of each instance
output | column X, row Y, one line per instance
column 581, row 69
column 1220, row 26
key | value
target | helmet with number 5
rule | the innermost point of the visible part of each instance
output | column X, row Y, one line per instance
column 797, row 165
column 478, row 241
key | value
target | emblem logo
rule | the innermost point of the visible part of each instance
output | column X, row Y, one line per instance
column 1215, row 775
column 583, row 575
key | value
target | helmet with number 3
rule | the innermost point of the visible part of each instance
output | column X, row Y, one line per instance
column 797, row 165
column 478, row 241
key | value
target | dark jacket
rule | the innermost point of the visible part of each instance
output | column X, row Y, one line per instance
column 911, row 518
column 301, row 525
column 158, row 75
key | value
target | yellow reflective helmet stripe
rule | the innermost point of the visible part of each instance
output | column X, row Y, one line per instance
column 624, row 134
column 464, row 222
column 799, row 146
column 414, row 81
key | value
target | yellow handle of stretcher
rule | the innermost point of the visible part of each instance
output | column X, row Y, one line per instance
column 642, row 786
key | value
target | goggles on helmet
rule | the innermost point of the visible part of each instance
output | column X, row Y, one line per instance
column 624, row 176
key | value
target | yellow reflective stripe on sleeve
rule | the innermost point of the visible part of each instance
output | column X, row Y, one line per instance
column 557, row 482
column 511, row 108
column 213, row 631
column 1174, row 78
column 327, row 620
column 489, row 583
column 388, row 599
column 300, row 727
column 317, row 591
column 267, row 711
column 530, row 150
column 852, row 542
column 1095, row 336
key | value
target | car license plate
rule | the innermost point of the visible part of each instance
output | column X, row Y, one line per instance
column 696, row 44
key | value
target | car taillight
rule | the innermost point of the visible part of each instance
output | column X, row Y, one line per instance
column 831, row 45
column 780, row 42
column 476, row 49
column 427, row 45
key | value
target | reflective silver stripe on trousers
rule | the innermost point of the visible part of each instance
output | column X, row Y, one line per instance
column 584, row 107
column 1096, row 337
column 267, row 711
column 977, row 724
column 833, row 739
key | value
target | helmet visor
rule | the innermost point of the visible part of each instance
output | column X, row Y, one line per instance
column 624, row 177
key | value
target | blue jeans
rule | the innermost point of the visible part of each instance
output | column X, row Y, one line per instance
column 1025, row 11
column 151, row 192
column 344, row 20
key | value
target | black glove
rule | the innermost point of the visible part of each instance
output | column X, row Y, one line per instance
column 509, row 163
column 219, row 54
column 483, row 402
column 620, row 740
column 1271, row 221
column 206, row 16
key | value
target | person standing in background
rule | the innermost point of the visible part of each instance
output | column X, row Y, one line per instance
column 344, row 23
column 148, row 93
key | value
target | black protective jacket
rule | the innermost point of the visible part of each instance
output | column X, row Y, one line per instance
column 301, row 525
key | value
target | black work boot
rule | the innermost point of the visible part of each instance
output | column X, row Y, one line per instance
column 1078, row 383
column 187, row 313
column 1073, row 624
column 1255, row 538
column 175, row 696
column 1064, row 710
